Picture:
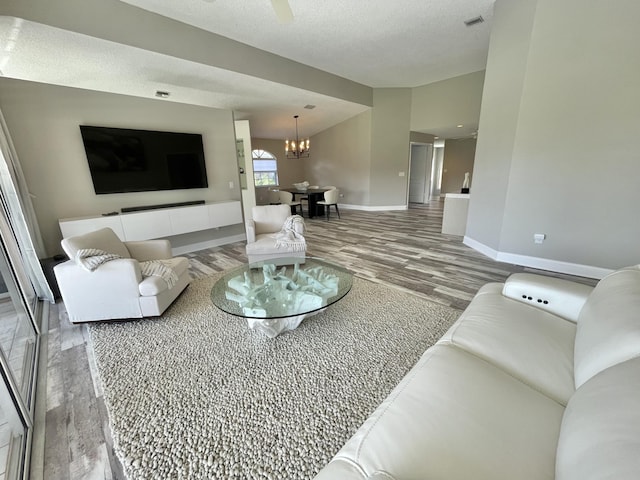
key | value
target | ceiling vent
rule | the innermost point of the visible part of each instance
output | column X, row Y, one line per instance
column 473, row 21
column 161, row 94
column 309, row 107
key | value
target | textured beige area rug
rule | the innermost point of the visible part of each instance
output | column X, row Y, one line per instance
column 195, row 394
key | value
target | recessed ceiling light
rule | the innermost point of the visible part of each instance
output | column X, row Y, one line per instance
column 161, row 94
column 459, row 126
column 435, row 138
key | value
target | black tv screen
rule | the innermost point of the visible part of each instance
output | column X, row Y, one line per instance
column 124, row 160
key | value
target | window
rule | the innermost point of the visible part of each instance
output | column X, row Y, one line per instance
column 265, row 168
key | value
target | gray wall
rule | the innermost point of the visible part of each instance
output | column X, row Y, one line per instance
column 458, row 159
column 448, row 102
column 421, row 137
column 390, row 146
column 43, row 122
column 557, row 147
column 341, row 156
column 503, row 84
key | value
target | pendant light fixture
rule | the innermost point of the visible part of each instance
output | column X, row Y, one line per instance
column 296, row 148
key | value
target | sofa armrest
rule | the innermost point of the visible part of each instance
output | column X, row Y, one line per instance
column 560, row 297
column 110, row 291
column 251, row 231
column 343, row 469
column 145, row 250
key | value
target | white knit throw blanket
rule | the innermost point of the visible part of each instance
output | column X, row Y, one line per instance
column 289, row 238
column 91, row 258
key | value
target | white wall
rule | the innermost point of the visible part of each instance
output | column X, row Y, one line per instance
column 557, row 147
column 44, row 124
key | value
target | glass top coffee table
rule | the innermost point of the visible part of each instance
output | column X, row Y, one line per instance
column 276, row 295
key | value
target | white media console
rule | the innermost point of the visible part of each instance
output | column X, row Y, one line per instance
column 158, row 223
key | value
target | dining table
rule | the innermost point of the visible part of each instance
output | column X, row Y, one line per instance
column 313, row 195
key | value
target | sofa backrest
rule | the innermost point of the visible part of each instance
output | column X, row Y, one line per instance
column 270, row 218
column 600, row 432
column 103, row 239
column 608, row 330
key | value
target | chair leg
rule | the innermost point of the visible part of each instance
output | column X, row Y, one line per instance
column 337, row 211
column 328, row 209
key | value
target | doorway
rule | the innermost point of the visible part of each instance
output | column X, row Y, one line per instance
column 420, row 172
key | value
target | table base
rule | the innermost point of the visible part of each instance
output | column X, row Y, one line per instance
column 272, row 327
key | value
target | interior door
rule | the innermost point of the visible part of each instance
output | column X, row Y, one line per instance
column 420, row 173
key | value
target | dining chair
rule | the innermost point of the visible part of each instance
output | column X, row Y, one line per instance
column 330, row 198
column 287, row 199
column 274, row 197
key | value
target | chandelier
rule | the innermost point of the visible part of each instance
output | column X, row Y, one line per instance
column 296, row 148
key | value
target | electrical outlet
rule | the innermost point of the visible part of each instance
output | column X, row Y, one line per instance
column 539, row 237
column 401, row 174
column 230, row 184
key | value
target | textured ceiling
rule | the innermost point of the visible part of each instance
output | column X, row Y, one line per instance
column 46, row 54
column 378, row 43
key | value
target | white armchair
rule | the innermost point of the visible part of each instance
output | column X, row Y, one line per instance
column 117, row 289
column 263, row 231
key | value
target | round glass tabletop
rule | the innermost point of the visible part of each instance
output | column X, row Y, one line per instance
column 281, row 288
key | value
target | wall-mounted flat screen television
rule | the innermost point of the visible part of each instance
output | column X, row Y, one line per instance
column 124, row 160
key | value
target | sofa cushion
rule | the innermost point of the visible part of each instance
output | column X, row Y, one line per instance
column 270, row 218
column 534, row 346
column 265, row 243
column 154, row 285
column 103, row 239
column 609, row 324
column 457, row 417
column 600, row 435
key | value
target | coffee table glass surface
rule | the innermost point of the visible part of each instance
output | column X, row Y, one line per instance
column 276, row 295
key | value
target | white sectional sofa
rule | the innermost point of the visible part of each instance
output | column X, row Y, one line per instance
column 538, row 379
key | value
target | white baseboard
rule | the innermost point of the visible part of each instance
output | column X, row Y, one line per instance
column 216, row 242
column 577, row 269
column 369, row 208
column 481, row 247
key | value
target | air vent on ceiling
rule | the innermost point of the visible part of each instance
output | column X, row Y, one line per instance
column 161, row 94
column 309, row 107
column 473, row 21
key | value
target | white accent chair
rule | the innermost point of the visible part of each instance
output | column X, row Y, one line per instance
column 287, row 199
column 116, row 289
column 262, row 232
column 330, row 198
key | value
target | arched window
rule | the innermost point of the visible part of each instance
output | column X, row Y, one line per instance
column 265, row 168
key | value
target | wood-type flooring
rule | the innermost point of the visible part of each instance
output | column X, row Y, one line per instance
column 403, row 248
